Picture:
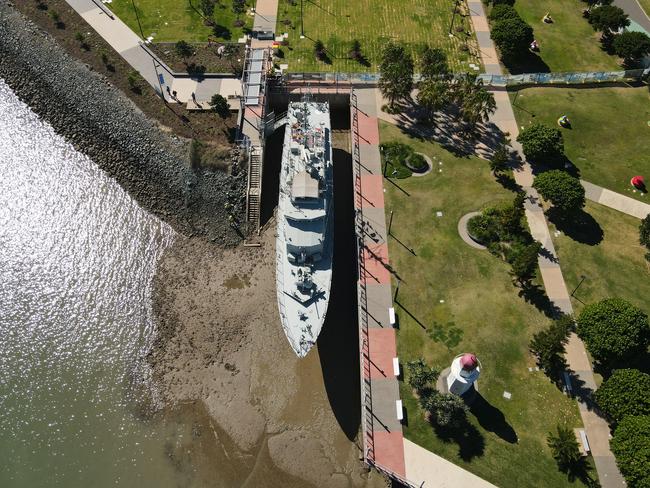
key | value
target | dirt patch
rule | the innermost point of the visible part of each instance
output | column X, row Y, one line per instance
column 213, row 57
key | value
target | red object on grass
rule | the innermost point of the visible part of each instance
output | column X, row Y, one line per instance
column 638, row 182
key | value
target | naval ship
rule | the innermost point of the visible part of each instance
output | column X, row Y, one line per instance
column 304, row 244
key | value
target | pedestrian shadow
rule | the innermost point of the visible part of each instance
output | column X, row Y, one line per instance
column 492, row 419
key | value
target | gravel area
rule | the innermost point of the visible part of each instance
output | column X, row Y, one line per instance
column 103, row 123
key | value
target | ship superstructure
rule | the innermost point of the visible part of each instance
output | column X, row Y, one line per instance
column 304, row 243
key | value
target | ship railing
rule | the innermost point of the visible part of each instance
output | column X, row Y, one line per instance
column 364, row 346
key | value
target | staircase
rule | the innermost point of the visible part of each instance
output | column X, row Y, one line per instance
column 254, row 186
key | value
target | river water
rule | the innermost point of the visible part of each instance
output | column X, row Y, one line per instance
column 77, row 259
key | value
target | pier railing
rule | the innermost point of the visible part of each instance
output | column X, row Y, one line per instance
column 364, row 346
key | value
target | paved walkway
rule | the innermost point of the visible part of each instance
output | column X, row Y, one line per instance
column 614, row 200
column 635, row 12
column 596, row 428
column 129, row 45
column 429, row 470
column 266, row 15
column 384, row 442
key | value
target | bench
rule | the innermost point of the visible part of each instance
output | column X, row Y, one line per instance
column 400, row 410
column 583, row 442
column 567, row 384
column 396, row 366
column 391, row 316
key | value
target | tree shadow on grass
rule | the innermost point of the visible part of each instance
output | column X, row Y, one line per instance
column 531, row 63
column 492, row 419
column 470, row 441
column 581, row 227
column 536, row 296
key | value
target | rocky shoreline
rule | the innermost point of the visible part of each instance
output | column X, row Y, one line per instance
column 101, row 122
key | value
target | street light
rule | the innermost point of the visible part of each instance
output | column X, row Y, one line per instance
column 451, row 26
column 302, row 22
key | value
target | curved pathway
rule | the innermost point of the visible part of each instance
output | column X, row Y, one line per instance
column 464, row 235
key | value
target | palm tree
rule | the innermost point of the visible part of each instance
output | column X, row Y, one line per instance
column 476, row 103
column 355, row 50
column 433, row 96
column 565, row 448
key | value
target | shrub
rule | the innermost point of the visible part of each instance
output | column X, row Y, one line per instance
column 564, row 447
column 613, row 330
column 626, row 392
column 502, row 2
column 500, row 159
column 183, row 49
column 220, row 105
column 238, row 6
column 631, row 46
column 445, row 410
column 417, row 162
column 548, row 345
column 565, row 192
column 395, row 156
column 207, row 7
column 355, row 50
column 644, row 231
column 542, row 144
column 631, row 447
column 512, row 36
column 420, row 376
column 608, row 18
column 503, row 11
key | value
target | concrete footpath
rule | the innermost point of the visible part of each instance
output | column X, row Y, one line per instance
column 614, row 200
column 129, row 45
column 596, row 427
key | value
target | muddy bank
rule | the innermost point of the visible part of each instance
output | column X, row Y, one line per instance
column 221, row 343
column 153, row 166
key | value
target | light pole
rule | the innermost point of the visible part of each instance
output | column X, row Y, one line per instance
column 453, row 16
column 135, row 10
column 302, row 22
column 582, row 278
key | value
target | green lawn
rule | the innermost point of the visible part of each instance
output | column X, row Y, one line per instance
column 175, row 20
column 466, row 298
column 610, row 137
column 645, row 4
column 373, row 23
column 615, row 267
column 569, row 43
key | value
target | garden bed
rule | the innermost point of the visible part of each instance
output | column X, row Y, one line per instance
column 205, row 57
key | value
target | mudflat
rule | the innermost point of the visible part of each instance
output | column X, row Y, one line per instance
column 220, row 343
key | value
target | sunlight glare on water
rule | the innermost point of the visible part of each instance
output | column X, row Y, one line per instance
column 77, row 259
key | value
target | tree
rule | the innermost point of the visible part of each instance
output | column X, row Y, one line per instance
column 420, row 376
column 631, row 447
column 631, row 46
column 446, row 410
column 207, row 8
column 548, row 345
column 220, row 105
column 565, row 192
column 355, row 50
column 513, row 37
column 608, row 19
column 477, row 103
column 433, row 96
column 524, row 262
column 626, row 392
column 614, row 331
column 319, row 50
column 593, row 3
column 433, row 63
column 183, row 49
column 564, row 447
column 500, row 159
column 503, row 11
column 238, row 6
column 542, row 144
column 396, row 78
